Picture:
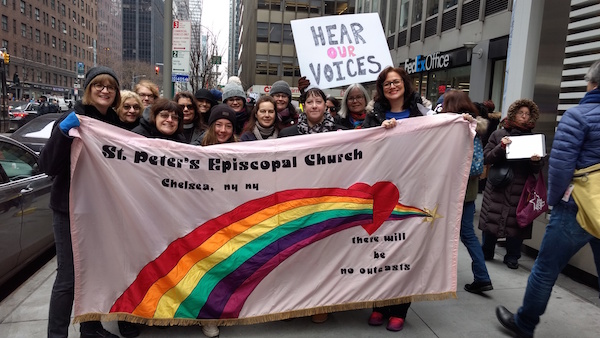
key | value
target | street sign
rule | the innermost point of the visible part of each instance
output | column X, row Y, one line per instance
column 180, row 78
column 181, row 62
column 80, row 70
column 182, row 35
column 216, row 60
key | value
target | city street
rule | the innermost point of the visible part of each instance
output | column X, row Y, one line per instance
column 573, row 309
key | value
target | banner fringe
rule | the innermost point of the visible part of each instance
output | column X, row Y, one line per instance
column 259, row 319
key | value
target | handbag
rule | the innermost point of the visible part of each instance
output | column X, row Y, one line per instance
column 533, row 200
column 586, row 193
column 500, row 175
column 477, row 162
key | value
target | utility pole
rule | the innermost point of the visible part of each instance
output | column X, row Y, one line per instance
column 167, row 47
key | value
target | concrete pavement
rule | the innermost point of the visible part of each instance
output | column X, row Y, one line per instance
column 574, row 309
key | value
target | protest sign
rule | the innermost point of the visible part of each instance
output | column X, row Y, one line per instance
column 339, row 50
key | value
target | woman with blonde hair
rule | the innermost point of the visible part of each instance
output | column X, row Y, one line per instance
column 130, row 109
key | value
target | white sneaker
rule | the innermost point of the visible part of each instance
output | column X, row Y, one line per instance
column 210, row 330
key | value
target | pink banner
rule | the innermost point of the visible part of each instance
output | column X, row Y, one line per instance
column 167, row 233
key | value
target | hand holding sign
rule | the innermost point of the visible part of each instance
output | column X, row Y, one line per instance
column 344, row 49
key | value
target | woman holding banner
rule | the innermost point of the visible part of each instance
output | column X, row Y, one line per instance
column 166, row 122
column 395, row 99
column 315, row 118
column 101, row 96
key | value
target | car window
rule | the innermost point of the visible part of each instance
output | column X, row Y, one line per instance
column 16, row 161
column 36, row 132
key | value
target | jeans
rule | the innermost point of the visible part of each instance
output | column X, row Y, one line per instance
column 563, row 238
column 61, row 299
column 469, row 239
column 513, row 247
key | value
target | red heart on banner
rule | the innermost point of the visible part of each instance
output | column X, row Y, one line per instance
column 385, row 198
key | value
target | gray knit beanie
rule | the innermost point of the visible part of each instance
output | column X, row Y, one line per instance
column 95, row 71
column 233, row 89
column 280, row 87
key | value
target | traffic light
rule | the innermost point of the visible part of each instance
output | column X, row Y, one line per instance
column 157, row 69
column 6, row 58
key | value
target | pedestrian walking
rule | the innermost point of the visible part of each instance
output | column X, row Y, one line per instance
column 575, row 146
column 457, row 101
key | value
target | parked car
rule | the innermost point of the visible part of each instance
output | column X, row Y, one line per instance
column 21, row 115
column 25, row 218
column 36, row 132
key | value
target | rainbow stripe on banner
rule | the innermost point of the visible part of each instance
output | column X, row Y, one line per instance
column 210, row 272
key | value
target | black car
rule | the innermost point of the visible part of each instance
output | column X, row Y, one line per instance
column 25, row 218
column 36, row 132
column 21, row 115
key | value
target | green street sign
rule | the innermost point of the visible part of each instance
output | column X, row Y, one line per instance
column 216, row 60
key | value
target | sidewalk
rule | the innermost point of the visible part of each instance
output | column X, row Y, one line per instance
column 574, row 309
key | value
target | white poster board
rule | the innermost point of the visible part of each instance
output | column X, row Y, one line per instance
column 526, row 146
column 339, row 50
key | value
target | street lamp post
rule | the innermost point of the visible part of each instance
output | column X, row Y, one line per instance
column 133, row 78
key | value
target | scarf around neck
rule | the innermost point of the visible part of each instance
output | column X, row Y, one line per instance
column 326, row 125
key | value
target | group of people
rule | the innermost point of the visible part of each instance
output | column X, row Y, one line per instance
column 199, row 119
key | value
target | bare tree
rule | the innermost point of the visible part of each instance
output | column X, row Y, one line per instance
column 203, row 55
column 131, row 72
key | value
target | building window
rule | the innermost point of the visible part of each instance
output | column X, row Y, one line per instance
column 37, row 14
column 54, row 42
column 262, row 32
column 64, row 46
column 54, row 60
column 64, row 28
column 62, row 9
column 37, row 35
column 417, row 11
column 275, row 33
column 5, row 23
column 24, row 53
column 53, row 22
column 52, row 4
column 23, row 7
column 38, row 56
column 288, row 37
column 23, row 30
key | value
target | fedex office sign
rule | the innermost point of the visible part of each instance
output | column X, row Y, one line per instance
column 425, row 63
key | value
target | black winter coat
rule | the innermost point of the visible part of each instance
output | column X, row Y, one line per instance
column 55, row 157
column 498, row 214
column 150, row 131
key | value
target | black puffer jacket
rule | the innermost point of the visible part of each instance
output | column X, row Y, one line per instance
column 150, row 131
column 55, row 157
column 499, row 208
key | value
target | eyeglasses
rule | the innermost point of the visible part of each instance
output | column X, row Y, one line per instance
column 100, row 87
column 355, row 98
column 165, row 115
column 188, row 106
column 145, row 95
column 127, row 107
column 389, row 84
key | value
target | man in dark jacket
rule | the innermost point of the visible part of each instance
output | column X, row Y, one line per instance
column 575, row 146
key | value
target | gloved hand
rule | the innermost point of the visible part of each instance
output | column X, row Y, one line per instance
column 71, row 121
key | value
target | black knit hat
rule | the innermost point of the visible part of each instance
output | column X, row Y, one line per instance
column 95, row 71
column 222, row 111
column 206, row 95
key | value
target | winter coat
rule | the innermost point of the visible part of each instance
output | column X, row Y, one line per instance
column 149, row 130
column 376, row 117
column 55, row 157
column 192, row 134
column 498, row 214
column 293, row 130
column 576, row 145
column 473, row 183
